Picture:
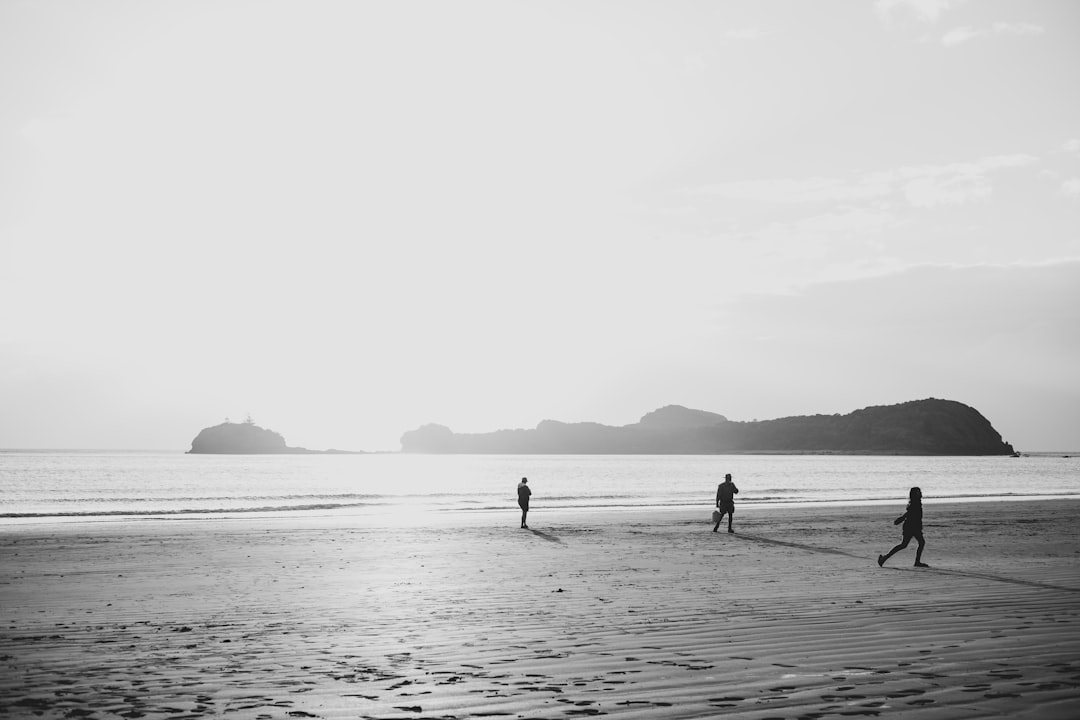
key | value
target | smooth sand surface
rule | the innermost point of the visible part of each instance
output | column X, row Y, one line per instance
column 622, row 613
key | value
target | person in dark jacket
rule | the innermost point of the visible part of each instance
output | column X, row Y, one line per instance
column 523, row 500
column 912, row 520
column 725, row 502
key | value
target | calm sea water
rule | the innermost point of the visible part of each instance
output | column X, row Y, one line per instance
column 76, row 485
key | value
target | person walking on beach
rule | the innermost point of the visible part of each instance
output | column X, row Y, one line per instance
column 523, row 500
column 725, row 502
column 912, row 520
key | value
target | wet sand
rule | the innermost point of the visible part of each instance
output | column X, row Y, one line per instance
column 621, row 613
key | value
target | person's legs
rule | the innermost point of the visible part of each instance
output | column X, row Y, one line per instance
column 903, row 544
column 730, row 517
column 524, row 514
column 918, row 552
column 723, row 511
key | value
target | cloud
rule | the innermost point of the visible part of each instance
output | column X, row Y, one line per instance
column 1071, row 188
column 955, row 183
column 922, row 185
column 812, row 236
column 946, row 301
column 930, row 192
column 961, row 35
column 746, row 34
column 795, row 191
column 1072, row 146
column 923, row 10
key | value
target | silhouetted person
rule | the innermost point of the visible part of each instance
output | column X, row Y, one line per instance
column 523, row 499
column 725, row 502
column 912, row 520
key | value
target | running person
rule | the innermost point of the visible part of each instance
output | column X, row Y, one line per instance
column 912, row 520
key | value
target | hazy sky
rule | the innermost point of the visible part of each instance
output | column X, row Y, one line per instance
column 349, row 219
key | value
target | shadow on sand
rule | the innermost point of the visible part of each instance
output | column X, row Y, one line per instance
column 999, row 578
column 939, row 571
column 799, row 546
column 545, row 536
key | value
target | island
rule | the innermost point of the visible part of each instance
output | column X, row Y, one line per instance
column 247, row 438
column 919, row 427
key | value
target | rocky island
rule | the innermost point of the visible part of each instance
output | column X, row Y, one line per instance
column 246, row 438
column 919, row 427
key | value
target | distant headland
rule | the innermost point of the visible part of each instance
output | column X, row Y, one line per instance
column 247, row 438
column 918, row 427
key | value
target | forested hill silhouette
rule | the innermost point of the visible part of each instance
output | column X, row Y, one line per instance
column 246, row 438
column 919, row 427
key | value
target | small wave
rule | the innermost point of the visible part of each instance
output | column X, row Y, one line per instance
column 564, row 498
column 211, row 498
column 186, row 511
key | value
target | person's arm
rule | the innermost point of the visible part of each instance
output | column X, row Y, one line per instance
column 734, row 489
column 900, row 519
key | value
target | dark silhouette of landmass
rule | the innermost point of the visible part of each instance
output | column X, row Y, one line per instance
column 246, row 438
column 919, row 427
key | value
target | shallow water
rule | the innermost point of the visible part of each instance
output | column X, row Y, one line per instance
column 90, row 483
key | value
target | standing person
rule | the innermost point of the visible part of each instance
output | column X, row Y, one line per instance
column 912, row 520
column 523, row 500
column 725, row 501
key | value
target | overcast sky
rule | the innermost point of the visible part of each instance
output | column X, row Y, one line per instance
column 351, row 219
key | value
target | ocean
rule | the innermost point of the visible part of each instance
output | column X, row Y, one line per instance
column 73, row 485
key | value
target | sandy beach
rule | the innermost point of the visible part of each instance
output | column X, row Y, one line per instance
column 621, row 613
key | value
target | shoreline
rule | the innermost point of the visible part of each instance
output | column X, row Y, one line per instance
column 12, row 520
column 644, row 614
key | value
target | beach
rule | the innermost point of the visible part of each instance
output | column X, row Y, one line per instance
column 628, row 613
